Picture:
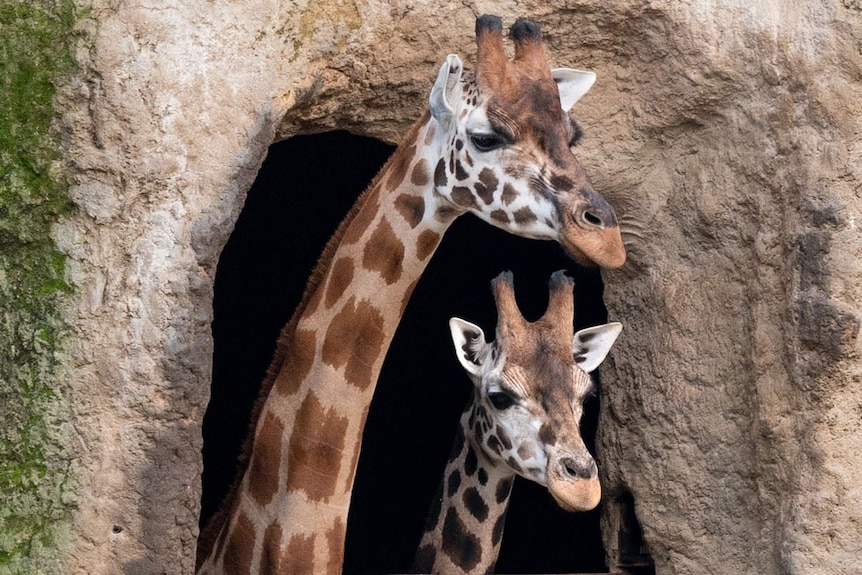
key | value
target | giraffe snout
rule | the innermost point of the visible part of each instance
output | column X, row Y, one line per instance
column 573, row 481
column 591, row 232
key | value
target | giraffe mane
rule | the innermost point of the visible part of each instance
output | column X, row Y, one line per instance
column 208, row 535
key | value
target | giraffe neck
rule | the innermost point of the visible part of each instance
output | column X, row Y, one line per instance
column 465, row 525
column 288, row 513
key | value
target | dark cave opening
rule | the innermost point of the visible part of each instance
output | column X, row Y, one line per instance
column 633, row 551
column 302, row 191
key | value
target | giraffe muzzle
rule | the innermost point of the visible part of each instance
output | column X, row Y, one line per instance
column 573, row 481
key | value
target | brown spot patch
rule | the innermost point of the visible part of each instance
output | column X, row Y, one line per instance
column 464, row 197
column 524, row 215
column 384, row 253
column 497, row 532
column 514, row 465
column 411, row 208
column 298, row 360
column 421, row 173
column 503, row 490
column 355, row 339
column 339, row 278
column 266, row 460
column 461, row 546
column 487, row 185
column 446, row 213
column 400, row 164
column 503, row 437
column 363, row 217
column 509, row 194
column 240, row 547
column 270, row 555
column 547, row 435
column 440, row 178
column 426, row 243
column 315, row 450
column 298, row 556
column 474, row 503
column 460, row 172
column 500, row 216
column 335, row 542
column 525, row 451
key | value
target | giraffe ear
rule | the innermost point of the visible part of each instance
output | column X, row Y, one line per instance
column 447, row 83
column 572, row 84
column 593, row 344
column 470, row 345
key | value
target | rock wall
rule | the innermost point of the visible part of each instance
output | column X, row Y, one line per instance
column 728, row 135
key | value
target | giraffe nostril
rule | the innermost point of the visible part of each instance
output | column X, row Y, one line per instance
column 578, row 469
column 593, row 219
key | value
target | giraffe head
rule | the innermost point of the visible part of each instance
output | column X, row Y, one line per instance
column 506, row 140
column 530, row 384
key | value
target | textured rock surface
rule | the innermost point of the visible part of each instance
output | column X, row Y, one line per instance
column 730, row 133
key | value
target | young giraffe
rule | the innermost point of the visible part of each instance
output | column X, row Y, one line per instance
column 495, row 144
column 524, row 417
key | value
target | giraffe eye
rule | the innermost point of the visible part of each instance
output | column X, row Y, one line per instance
column 487, row 142
column 501, row 400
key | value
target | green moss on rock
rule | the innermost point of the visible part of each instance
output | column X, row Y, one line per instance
column 35, row 453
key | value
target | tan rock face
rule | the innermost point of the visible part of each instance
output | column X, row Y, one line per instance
column 727, row 136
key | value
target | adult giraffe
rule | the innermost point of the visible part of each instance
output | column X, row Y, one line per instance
column 495, row 144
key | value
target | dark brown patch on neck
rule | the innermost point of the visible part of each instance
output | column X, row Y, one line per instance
column 384, row 253
column 313, row 455
column 266, row 460
column 411, row 208
column 297, row 362
column 440, row 177
column 240, row 547
column 426, row 244
column 354, row 340
column 503, row 489
column 339, row 280
column 298, row 556
column 420, row 174
column 335, row 542
column 461, row 546
column 474, row 504
column 402, row 158
column 271, row 553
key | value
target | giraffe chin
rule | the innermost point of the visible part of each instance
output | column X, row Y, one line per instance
column 576, row 494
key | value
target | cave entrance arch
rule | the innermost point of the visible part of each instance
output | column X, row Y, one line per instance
column 304, row 188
